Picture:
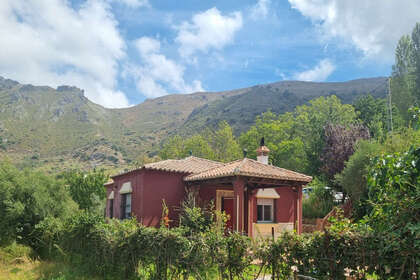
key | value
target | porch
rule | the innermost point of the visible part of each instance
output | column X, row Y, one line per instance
column 261, row 200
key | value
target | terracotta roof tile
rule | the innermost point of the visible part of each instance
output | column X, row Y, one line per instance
column 190, row 165
column 251, row 168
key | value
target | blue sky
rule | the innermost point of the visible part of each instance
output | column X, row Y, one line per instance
column 124, row 51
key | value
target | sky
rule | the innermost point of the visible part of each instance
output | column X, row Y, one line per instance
column 122, row 52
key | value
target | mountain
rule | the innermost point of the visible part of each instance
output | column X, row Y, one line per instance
column 61, row 128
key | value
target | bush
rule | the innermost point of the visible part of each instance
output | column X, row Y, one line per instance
column 320, row 201
column 26, row 198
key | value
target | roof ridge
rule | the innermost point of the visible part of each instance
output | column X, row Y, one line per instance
column 238, row 168
column 204, row 159
column 281, row 168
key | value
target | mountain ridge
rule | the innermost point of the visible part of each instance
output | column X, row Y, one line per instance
column 46, row 126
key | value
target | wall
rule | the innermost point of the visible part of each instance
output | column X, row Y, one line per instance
column 284, row 206
column 159, row 185
column 134, row 178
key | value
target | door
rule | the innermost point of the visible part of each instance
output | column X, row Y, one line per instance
column 227, row 207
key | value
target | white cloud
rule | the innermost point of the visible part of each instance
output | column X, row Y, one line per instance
column 373, row 26
column 134, row 3
column 209, row 29
column 49, row 42
column 157, row 73
column 260, row 10
column 319, row 73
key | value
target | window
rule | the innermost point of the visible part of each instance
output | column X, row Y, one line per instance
column 111, row 208
column 126, row 206
column 265, row 210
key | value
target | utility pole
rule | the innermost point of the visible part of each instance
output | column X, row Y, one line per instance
column 390, row 127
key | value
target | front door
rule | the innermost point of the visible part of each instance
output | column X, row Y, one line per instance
column 227, row 207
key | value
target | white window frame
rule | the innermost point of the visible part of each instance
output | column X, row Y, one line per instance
column 266, row 202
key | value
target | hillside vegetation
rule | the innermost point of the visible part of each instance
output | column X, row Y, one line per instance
column 45, row 127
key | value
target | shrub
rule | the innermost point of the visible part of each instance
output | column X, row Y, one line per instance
column 26, row 198
column 320, row 201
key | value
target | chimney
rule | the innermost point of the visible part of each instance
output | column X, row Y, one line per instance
column 262, row 152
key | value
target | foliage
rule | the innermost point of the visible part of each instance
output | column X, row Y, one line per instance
column 296, row 140
column 219, row 145
column 373, row 114
column 414, row 117
column 319, row 202
column 339, row 146
column 286, row 150
column 87, row 188
column 195, row 218
column 406, row 72
column 26, row 198
column 394, row 192
column 354, row 175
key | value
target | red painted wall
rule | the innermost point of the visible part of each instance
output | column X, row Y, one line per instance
column 159, row 185
column 150, row 187
column 285, row 210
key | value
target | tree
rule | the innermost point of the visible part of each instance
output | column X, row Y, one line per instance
column 405, row 83
column 172, row 149
column 87, row 189
column 354, row 175
column 224, row 144
column 339, row 146
column 286, row 150
column 310, row 121
column 26, row 198
column 353, row 178
column 373, row 114
column 415, row 37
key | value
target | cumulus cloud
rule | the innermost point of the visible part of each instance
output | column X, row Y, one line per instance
column 134, row 3
column 49, row 42
column 157, row 74
column 207, row 30
column 260, row 10
column 319, row 73
column 373, row 26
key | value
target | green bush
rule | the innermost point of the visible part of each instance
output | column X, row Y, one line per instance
column 26, row 198
column 320, row 201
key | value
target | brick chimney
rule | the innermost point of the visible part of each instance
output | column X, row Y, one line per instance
column 262, row 152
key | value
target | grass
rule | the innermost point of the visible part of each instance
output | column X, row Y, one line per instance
column 17, row 263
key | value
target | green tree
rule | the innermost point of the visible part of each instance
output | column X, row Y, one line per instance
column 310, row 121
column 172, row 149
column 26, row 198
column 87, row 189
column 224, row 143
column 415, row 37
column 373, row 114
column 286, row 150
column 353, row 178
column 405, row 83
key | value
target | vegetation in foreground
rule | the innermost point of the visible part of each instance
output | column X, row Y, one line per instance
column 59, row 219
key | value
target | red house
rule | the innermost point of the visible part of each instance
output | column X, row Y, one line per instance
column 258, row 197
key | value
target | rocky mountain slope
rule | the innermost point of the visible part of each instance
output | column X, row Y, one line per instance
column 40, row 125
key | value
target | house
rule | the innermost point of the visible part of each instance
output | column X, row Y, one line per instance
column 258, row 197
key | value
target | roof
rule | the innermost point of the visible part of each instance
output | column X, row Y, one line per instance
column 110, row 182
column 250, row 168
column 190, row 165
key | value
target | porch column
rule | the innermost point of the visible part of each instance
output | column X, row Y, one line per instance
column 251, row 211
column 238, row 203
column 299, row 210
